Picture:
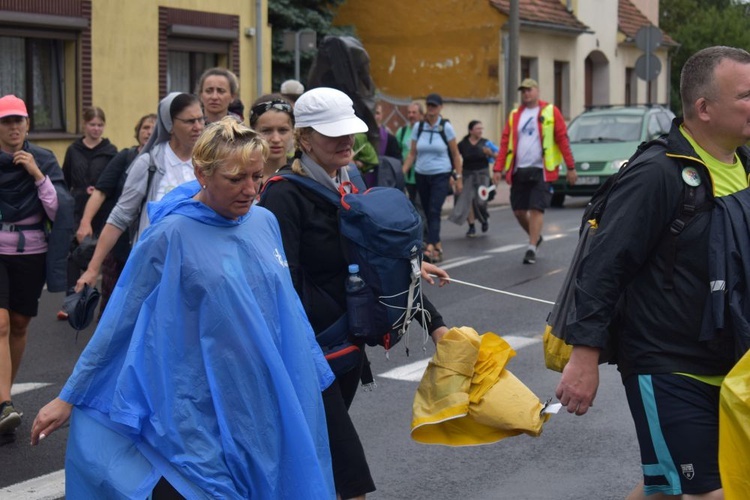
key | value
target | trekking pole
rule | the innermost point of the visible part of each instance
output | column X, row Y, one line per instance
column 454, row 280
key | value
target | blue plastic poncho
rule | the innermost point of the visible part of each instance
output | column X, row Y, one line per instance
column 203, row 369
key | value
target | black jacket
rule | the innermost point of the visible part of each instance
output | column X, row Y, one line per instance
column 82, row 167
column 629, row 254
column 312, row 243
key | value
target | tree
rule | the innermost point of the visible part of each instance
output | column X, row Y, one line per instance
column 718, row 22
column 294, row 15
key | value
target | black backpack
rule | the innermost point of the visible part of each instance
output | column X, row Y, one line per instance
column 556, row 349
column 441, row 131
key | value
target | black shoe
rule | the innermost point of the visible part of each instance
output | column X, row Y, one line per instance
column 9, row 418
column 472, row 232
column 485, row 226
column 530, row 257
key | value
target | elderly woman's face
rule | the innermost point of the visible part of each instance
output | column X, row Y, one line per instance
column 13, row 130
column 232, row 188
column 331, row 153
column 188, row 125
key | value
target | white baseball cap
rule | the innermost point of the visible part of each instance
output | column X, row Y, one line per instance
column 328, row 111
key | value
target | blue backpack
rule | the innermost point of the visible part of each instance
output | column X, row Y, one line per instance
column 382, row 233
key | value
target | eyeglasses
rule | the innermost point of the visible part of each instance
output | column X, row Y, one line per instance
column 191, row 121
column 276, row 104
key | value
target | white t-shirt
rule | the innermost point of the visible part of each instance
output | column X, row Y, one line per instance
column 529, row 149
column 177, row 172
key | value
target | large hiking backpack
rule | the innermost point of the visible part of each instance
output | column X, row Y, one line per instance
column 556, row 350
column 382, row 233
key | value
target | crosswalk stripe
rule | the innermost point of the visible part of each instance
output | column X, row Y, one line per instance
column 26, row 387
column 47, row 487
column 412, row 372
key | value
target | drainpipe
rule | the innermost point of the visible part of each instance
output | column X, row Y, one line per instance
column 259, row 48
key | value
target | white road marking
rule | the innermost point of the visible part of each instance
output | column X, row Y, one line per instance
column 463, row 262
column 413, row 371
column 26, row 387
column 507, row 248
column 47, row 487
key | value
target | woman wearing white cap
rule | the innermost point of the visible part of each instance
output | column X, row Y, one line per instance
column 325, row 125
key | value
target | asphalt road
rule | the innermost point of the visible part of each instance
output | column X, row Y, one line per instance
column 590, row 457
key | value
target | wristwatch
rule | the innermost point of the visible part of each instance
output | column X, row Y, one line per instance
column 456, row 176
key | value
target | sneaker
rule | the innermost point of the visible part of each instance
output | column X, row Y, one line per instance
column 472, row 232
column 485, row 226
column 62, row 315
column 9, row 418
column 530, row 257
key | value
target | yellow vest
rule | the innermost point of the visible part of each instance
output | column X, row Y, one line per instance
column 551, row 154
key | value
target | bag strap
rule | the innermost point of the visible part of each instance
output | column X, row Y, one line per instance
column 137, row 222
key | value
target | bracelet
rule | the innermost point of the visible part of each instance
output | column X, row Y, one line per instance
column 456, row 176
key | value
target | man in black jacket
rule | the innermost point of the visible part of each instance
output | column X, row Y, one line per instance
column 671, row 373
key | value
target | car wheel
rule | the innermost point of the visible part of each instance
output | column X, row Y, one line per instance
column 558, row 200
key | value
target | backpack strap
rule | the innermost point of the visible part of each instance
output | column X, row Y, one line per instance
column 693, row 198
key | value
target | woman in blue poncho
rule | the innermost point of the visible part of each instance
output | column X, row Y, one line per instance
column 194, row 382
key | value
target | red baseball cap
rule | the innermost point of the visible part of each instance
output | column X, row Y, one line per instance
column 11, row 105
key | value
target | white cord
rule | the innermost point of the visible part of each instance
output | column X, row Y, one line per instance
column 454, row 280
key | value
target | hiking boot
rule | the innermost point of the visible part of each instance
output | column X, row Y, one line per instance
column 485, row 226
column 9, row 418
column 472, row 232
column 530, row 257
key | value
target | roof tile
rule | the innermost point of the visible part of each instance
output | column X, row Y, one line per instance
column 546, row 12
column 630, row 20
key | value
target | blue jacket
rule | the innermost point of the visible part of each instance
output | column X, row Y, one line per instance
column 203, row 369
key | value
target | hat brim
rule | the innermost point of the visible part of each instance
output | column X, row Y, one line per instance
column 346, row 126
column 14, row 113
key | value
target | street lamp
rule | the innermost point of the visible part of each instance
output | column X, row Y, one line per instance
column 299, row 41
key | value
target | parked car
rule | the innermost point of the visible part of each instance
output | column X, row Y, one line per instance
column 602, row 139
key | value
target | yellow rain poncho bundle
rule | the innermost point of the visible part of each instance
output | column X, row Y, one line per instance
column 734, row 431
column 467, row 397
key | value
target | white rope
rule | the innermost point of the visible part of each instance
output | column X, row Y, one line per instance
column 454, row 280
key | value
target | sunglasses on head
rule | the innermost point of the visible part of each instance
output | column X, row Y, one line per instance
column 276, row 104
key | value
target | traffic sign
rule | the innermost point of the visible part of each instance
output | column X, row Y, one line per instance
column 648, row 38
column 647, row 67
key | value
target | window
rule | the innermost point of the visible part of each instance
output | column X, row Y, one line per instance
column 631, row 87
column 33, row 71
column 193, row 41
column 45, row 59
column 561, row 87
column 185, row 68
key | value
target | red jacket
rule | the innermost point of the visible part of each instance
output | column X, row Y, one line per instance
column 561, row 140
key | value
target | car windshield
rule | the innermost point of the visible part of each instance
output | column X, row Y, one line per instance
column 605, row 128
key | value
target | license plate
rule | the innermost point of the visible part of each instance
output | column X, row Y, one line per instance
column 589, row 180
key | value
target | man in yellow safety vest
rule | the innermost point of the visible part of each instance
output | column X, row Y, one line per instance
column 532, row 149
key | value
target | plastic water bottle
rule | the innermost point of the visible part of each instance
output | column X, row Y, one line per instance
column 354, row 281
column 359, row 303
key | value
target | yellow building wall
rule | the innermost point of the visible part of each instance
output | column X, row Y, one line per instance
column 449, row 46
column 125, row 60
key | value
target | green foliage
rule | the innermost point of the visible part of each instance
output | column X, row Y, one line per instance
column 697, row 24
column 295, row 15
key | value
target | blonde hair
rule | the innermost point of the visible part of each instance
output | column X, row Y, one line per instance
column 224, row 139
column 299, row 133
